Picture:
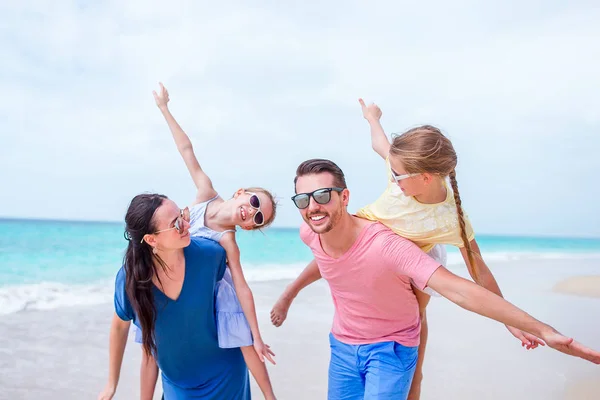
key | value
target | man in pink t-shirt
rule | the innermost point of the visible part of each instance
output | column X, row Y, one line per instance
column 370, row 280
column 375, row 334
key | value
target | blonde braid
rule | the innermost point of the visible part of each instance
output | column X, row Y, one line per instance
column 463, row 231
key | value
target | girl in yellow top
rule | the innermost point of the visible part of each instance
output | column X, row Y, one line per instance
column 419, row 205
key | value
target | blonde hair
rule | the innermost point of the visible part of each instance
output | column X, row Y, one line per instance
column 426, row 150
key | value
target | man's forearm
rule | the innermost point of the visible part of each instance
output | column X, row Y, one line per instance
column 479, row 300
column 309, row 275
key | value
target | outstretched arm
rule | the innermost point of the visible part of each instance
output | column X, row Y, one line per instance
column 309, row 275
column 488, row 281
column 379, row 140
column 244, row 294
column 474, row 298
column 205, row 190
column 117, row 341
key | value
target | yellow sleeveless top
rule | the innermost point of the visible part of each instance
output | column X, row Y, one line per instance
column 424, row 224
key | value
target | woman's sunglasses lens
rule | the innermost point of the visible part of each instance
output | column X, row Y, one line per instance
column 259, row 218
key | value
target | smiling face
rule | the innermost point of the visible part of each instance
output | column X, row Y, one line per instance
column 253, row 209
column 322, row 218
column 167, row 236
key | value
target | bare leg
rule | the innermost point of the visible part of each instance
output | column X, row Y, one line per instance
column 415, row 388
column 259, row 371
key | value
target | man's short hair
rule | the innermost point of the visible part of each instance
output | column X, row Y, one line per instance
column 319, row 166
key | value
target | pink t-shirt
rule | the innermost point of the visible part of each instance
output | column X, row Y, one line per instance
column 371, row 286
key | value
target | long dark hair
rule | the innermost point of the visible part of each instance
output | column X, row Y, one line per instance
column 140, row 264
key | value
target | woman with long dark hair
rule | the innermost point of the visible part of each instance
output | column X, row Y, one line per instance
column 167, row 288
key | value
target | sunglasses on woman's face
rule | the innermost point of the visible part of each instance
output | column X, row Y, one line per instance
column 184, row 215
column 259, row 217
column 321, row 196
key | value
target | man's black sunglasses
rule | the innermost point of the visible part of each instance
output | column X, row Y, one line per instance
column 321, row 196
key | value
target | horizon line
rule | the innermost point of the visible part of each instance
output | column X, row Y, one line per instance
column 83, row 221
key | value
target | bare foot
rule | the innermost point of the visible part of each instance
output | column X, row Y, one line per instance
column 280, row 310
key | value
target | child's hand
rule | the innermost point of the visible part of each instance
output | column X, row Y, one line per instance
column 527, row 340
column 264, row 351
column 108, row 392
column 161, row 98
column 371, row 112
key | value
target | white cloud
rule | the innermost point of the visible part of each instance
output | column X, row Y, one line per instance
column 260, row 88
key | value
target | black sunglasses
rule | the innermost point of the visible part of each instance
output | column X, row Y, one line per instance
column 321, row 196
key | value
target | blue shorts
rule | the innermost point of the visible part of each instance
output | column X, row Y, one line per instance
column 379, row 371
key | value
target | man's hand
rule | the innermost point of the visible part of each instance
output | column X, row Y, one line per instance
column 568, row 346
column 161, row 98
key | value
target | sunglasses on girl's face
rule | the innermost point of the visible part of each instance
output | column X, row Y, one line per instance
column 184, row 215
column 397, row 178
column 259, row 217
column 321, row 196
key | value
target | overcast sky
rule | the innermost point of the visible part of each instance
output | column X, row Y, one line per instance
column 515, row 85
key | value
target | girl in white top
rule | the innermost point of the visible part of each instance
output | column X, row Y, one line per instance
column 215, row 218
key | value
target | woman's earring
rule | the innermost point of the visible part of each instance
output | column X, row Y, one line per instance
column 154, row 250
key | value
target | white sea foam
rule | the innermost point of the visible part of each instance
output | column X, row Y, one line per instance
column 456, row 259
column 51, row 295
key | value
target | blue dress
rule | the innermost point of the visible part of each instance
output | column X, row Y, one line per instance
column 191, row 362
column 232, row 325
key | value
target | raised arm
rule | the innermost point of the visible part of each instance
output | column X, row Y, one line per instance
column 244, row 294
column 474, row 298
column 205, row 190
column 117, row 341
column 379, row 140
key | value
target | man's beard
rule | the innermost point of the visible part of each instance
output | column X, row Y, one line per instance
column 321, row 229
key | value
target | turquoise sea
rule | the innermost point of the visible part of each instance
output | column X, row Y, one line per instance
column 49, row 264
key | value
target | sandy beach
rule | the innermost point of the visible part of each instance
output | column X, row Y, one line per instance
column 63, row 353
column 580, row 286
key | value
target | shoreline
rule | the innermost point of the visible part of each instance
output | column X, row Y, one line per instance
column 56, row 295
